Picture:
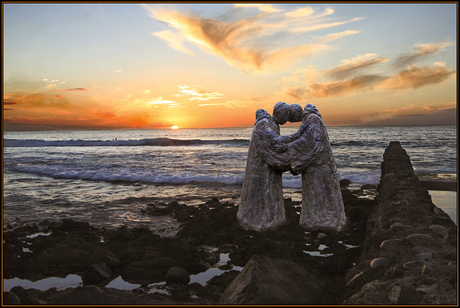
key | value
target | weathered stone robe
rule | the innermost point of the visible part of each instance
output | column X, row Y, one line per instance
column 311, row 155
column 262, row 203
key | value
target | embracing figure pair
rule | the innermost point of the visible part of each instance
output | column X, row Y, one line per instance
column 307, row 152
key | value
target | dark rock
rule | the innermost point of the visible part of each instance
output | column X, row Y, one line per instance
column 96, row 273
column 72, row 225
column 210, row 292
column 444, row 221
column 451, row 256
column 106, row 258
column 128, row 255
column 225, row 267
column 193, row 288
column 415, row 265
column 376, row 239
column 10, row 299
column 426, row 281
column 452, row 230
column 93, row 295
column 177, row 274
column 390, row 245
column 421, row 243
column 399, row 227
column 215, row 287
column 425, row 269
column 439, row 228
column 408, row 296
column 440, row 185
column 147, row 270
column 273, row 281
column 30, row 296
column 378, row 262
column 421, row 240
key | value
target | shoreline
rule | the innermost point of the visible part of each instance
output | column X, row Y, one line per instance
column 396, row 248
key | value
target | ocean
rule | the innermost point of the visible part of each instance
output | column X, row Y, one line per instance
column 108, row 177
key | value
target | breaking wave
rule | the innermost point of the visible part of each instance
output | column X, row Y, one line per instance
column 98, row 175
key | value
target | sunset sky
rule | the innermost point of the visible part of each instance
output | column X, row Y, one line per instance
column 154, row 65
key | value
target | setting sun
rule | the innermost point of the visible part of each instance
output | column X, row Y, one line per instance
column 174, row 127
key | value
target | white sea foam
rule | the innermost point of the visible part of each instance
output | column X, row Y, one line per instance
column 93, row 175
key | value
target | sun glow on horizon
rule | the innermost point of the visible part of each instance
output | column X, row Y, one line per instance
column 213, row 65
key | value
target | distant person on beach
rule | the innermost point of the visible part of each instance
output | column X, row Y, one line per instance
column 310, row 154
column 262, row 203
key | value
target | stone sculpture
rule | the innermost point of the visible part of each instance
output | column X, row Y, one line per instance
column 307, row 152
column 262, row 203
column 310, row 154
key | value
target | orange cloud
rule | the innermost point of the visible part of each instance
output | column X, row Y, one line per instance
column 354, row 65
column 412, row 77
column 198, row 94
column 241, row 42
column 335, row 88
column 297, row 93
column 433, row 114
column 70, row 90
column 416, row 77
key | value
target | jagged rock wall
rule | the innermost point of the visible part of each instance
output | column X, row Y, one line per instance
column 410, row 251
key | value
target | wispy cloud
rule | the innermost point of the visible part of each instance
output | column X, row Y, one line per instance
column 301, row 12
column 338, row 88
column 8, row 104
column 70, row 90
column 334, row 36
column 421, row 51
column 260, row 6
column 416, row 77
column 352, row 66
column 410, row 111
column 321, row 26
column 228, row 104
column 160, row 101
column 241, row 38
column 197, row 94
column 297, row 93
column 350, row 76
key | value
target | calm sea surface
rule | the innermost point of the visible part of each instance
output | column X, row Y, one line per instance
column 108, row 177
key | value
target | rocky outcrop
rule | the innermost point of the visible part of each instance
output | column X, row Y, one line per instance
column 266, row 281
column 409, row 252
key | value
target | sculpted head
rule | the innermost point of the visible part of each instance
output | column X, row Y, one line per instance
column 310, row 108
column 261, row 113
column 296, row 113
column 281, row 113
